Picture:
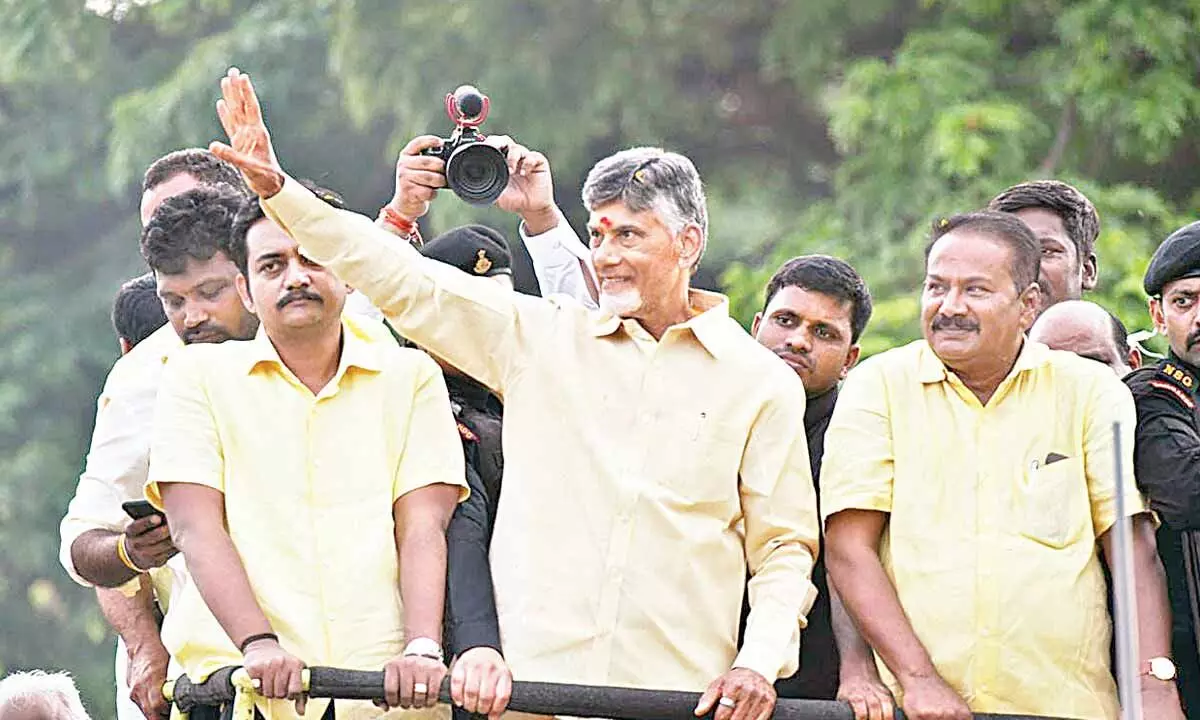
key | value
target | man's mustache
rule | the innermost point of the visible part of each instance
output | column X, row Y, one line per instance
column 1193, row 338
column 954, row 323
column 211, row 332
column 295, row 295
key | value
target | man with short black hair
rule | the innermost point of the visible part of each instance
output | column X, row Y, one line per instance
column 967, row 486
column 1089, row 331
column 1066, row 225
column 308, row 476
column 814, row 313
column 99, row 543
column 183, row 170
column 137, row 312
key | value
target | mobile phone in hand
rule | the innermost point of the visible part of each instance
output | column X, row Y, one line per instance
column 138, row 509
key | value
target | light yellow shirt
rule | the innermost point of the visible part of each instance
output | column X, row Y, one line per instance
column 991, row 542
column 309, row 483
column 115, row 470
column 638, row 485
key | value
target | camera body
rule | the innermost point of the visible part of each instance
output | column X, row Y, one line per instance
column 476, row 172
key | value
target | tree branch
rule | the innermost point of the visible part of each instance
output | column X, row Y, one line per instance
column 1066, row 125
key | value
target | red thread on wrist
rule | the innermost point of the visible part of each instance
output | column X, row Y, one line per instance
column 390, row 216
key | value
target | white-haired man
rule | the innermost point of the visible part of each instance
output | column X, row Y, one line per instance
column 653, row 450
column 38, row 695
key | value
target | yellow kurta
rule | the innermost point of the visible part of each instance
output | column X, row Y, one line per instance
column 992, row 539
column 309, row 484
column 638, row 483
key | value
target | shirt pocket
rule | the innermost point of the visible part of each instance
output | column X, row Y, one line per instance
column 711, row 459
column 1051, row 503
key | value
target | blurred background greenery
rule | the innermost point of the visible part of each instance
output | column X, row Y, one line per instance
column 836, row 126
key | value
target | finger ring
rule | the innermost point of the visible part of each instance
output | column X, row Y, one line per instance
column 727, row 702
column 420, row 688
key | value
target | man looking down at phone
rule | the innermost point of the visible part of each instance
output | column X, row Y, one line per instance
column 186, row 245
column 308, row 476
column 675, row 467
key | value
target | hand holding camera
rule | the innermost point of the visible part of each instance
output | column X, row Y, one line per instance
column 479, row 170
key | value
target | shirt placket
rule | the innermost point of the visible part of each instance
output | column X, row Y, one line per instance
column 321, row 548
column 626, row 497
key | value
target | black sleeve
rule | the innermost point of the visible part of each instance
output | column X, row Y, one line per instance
column 470, row 617
column 1167, row 459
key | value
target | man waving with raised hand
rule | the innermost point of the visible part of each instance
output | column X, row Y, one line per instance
column 652, row 447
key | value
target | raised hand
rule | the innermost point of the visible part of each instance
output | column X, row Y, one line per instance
column 249, row 147
column 418, row 177
column 530, row 191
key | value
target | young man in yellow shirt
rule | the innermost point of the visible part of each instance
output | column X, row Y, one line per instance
column 308, row 476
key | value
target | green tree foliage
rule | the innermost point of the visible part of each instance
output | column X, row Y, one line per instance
column 818, row 125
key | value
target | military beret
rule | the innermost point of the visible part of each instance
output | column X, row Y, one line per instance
column 474, row 249
column 1177, row 257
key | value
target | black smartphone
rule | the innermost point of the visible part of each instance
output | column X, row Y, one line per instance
column 138, row 509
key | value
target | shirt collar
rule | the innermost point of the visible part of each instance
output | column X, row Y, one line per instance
column 931, row 369
column 358, row 350
column 710, row 326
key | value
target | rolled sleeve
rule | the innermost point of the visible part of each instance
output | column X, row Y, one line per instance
column 857, row 469
column 782, row 539
column 559, row 259
column 117, row 459
column 473, row 323
column 186, row 447
column 1110, row 403
column 432, row 448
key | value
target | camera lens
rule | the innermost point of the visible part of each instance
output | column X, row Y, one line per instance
column 477, row 173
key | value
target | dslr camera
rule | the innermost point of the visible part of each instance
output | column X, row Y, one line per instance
column 476, row 172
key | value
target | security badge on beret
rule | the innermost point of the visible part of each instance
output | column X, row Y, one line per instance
column 1176, row 258
column 474, row 249
column 482, row 264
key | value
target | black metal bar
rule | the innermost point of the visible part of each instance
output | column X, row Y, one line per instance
column 534, row 697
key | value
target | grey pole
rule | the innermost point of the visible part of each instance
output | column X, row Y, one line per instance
column 1124, row 599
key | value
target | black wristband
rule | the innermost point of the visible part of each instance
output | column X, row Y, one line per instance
column 255, row 638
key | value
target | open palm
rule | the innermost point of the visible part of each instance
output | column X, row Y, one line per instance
column 249, row 147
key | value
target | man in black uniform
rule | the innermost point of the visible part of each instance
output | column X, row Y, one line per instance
column 1167, row 451
column 471, row 627
column 815, row 310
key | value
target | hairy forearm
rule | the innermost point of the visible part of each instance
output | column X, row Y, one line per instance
column 217, row 570
column 874, row 607
column 422, row 552
column 135, row 618
column 94, row 554
column 854, row 654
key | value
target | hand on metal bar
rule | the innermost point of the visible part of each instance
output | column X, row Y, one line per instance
column 228, row 685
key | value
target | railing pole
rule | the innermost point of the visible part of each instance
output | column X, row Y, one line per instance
column 1124, row 597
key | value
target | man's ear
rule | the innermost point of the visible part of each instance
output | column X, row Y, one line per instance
column 1134, row 358
column 1156, row 315
column 1031, row 300
column 243, row 290
column 126, row 346
column 1091, row 272
column 691, row 242
column 850, row 361
column 754, row 324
